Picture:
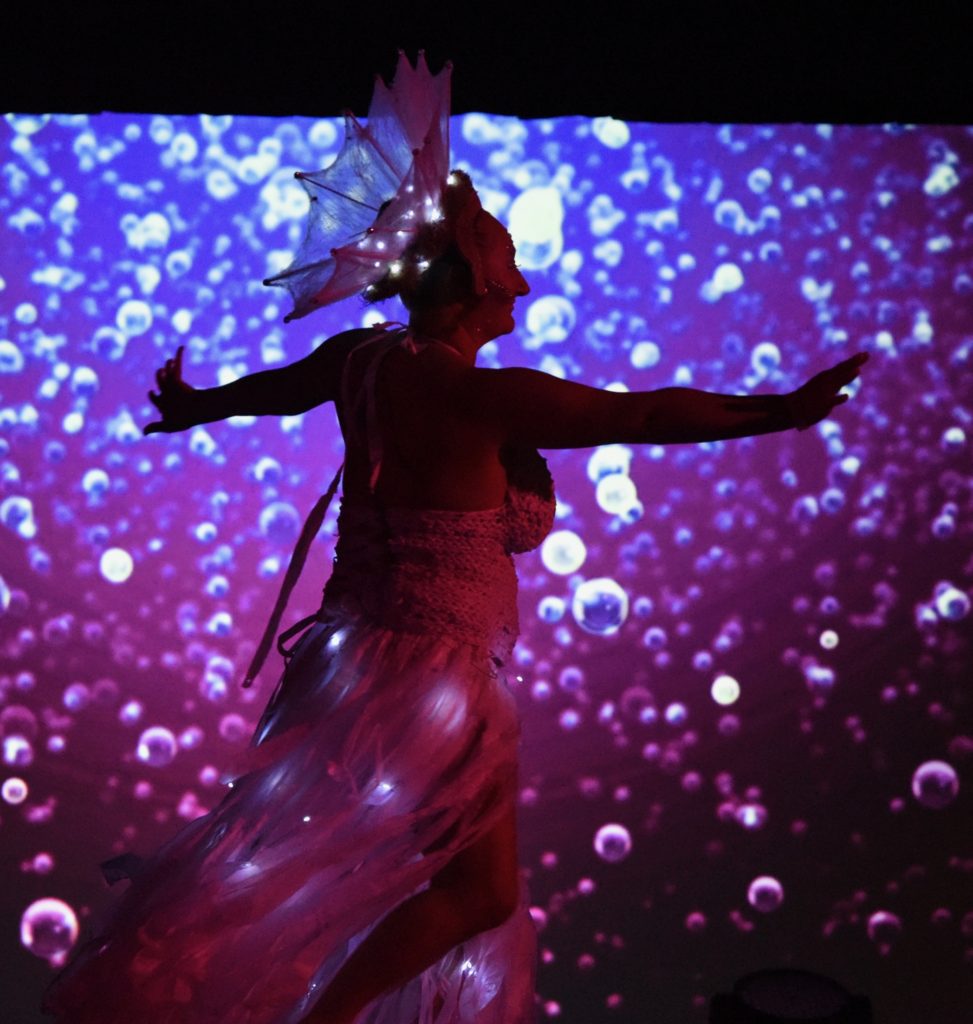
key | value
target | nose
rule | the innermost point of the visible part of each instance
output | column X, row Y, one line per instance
column 523, row 288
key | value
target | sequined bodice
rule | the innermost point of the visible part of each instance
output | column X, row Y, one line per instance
column 445, row 572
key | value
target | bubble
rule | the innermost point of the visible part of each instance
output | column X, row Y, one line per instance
column 17, row 751
column 14, row 790
column 725, row 690
column 133, row 318
column 752, row 816
column 615, row 494
column 280, row 523
column 157, row 746
column 233, row 728
column 608, row 459
column 727, row 278
column 49, row 928
column 116, row 565
column 550, row 319
column 18, row 720
column 645, row 354
column 765, row 894
column 76, row 697
column 17, row 514
column 951, row 603
column 765, row 358
column 551, row 609
column 613, row 843
column 600, row 606
column 942, row 179
column 884, row 928
column 829, row 639
column 27, row 124
column 935, row 784
column 759, row 180
column 11, row 358
column 563, row 552
column 611, row 132
column 536, row 218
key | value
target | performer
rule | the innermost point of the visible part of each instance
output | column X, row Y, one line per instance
column 362, row 866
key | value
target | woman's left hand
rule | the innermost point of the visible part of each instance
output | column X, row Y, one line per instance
column 815, row 399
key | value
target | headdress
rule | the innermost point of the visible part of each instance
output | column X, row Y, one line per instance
column 383, row 194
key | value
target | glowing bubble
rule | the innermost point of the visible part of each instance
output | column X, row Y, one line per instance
column 676, row 713
column 765, row 894
column 613, row 843
column 727, row 278
column 18, row 720
column 11, row 358
column 157, row 746
column 551, row 609
column 563, row 552
column 935, row 784
column 645, row 354
column 233, row 728
column 17, row 751
column 43, row 863
column 219, row 184
column 951, row 603
column 600, row 606
column 608, row 459
column 134, row 317
column 829, row 640
column 49, row 928
column 14, row 791
column 615, row 494
column 536, row 217
column 725, row 690
column 550, row 318
column 819, row 679
column 116, row 565
column 759, row 180
column 17, row 514
column 280, row 522
column 884, row 927
column 942, row 179
column 569, row 719
column 76, row 697
column 27, row 124
column 765, row 358
column 751, row 816
column 610, row 132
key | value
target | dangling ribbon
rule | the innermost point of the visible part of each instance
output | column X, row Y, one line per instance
column 299, row 556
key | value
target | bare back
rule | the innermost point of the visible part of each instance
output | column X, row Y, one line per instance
column 431, row 458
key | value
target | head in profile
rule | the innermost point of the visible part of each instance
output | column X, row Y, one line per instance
column 460, row 274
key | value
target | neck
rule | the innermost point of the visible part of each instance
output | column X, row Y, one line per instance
column 465, row 342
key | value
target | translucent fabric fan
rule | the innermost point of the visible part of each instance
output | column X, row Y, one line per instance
column 385, row 183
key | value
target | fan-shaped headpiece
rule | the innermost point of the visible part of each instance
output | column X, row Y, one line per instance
column 383, row 188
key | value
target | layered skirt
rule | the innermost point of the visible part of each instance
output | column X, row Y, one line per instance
column 380, row 756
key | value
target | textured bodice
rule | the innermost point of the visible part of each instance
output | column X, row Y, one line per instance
column 448, row 573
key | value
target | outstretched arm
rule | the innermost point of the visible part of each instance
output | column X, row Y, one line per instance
column 285, row 391
column 530, row 407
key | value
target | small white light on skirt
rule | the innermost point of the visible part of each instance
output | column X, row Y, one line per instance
column 395, row 268
column 379, row 245
column 423, row 265
column 307, row 817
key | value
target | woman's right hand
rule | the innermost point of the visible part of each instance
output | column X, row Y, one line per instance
column 177, row 401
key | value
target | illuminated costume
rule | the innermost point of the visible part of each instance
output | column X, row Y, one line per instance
column 389, row 745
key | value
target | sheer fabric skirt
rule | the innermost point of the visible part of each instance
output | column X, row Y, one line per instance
column 379, row 757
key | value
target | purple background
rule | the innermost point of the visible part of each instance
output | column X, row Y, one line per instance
column 125, row 235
